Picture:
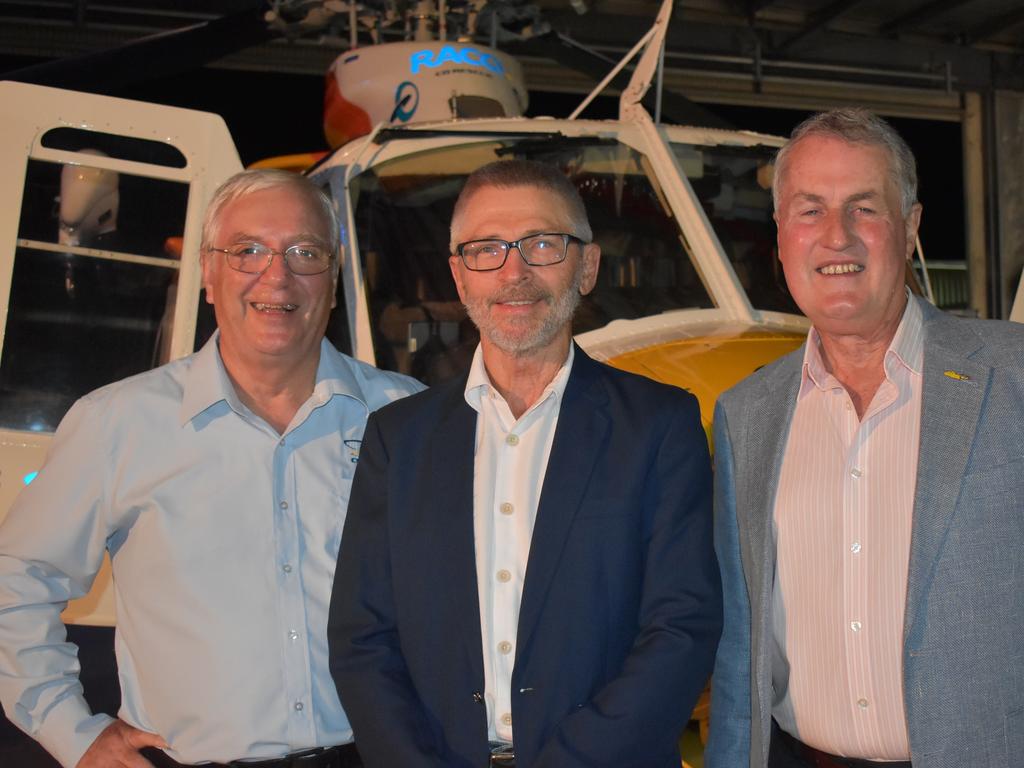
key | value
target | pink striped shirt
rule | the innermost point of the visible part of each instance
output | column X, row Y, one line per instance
column 842, row 526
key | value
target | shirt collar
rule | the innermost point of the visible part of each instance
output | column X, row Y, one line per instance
column 906, row 350
column 478, row 385
column 207, row 382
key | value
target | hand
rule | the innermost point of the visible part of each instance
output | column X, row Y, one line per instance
column 118, row 746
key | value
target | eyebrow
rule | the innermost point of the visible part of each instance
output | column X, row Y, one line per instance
column 302, row 237
column 854, row 198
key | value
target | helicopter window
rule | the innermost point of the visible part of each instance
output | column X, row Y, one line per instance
column 403, row 209
column 733, row 185
column 93, row 287
column 121, row 147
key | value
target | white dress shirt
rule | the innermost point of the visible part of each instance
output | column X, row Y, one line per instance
column 223, row 536
column 510, row 462
column 843, row 519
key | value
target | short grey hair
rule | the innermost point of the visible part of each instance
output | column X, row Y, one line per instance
column 508, row 174
column 259, row 180
column 856, row 125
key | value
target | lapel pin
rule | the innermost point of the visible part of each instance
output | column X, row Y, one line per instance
column 957, row 375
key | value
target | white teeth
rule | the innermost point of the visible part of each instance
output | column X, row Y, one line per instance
column 263, row 307
column 840, row 269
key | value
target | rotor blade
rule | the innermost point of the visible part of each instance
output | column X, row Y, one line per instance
column 675, row 107
column 160, row 55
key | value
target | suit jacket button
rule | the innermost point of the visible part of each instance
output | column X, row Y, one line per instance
column 478, row 697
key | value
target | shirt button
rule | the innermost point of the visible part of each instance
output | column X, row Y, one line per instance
column 855, row 626
column 298, row 706
column 855, row 473
column 504, row 575
column 504, row 647
column 284, row 505
column 862, row 703
column 506, row 719
column 512, row 439
column 287, row 568
column 855, row 547
column 293, row 635
column 506, row 508
column 281, row 441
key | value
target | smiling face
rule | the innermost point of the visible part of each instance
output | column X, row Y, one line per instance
column 843, row 240
column 520, row 309
column 275, row 317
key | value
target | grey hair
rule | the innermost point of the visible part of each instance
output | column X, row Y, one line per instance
column 259, row 180
column 856, row 125
column 506, row 174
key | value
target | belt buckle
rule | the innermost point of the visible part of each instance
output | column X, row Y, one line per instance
column 313, row 756
column 503, row 756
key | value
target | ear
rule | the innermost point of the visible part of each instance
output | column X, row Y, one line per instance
column 911, row 223
column 206, row 259
column 591, row 262
column 456, row 266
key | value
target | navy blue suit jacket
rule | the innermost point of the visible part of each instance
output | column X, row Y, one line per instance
column 621, row 605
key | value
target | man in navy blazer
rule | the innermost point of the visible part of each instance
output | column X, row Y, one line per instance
column 939, row 545
column 526, row 575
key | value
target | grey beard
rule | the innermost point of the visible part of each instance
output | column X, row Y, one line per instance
column 527, row 339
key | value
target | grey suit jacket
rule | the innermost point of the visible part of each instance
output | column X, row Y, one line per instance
column 963, row 647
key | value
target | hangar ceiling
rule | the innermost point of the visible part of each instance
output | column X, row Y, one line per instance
column 910, row 57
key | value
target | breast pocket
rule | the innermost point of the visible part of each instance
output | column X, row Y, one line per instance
column 1005, row 481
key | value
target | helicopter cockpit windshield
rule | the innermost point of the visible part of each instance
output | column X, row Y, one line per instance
column 402, row 208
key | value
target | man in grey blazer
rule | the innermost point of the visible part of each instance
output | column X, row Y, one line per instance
column 869, row 499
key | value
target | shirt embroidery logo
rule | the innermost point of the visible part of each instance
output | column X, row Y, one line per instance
column 353, row 450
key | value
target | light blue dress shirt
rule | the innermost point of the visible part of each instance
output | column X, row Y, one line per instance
column 223, row 536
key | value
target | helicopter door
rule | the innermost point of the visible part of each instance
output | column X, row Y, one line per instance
column 100, row 213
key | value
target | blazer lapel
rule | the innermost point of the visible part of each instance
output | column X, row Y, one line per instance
column 452, row 453
column 953, row 392
column 760, row 449
column 579, row 440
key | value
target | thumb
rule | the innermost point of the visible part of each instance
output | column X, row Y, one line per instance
column 139, row 739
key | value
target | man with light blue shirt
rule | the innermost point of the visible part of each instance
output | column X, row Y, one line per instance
column 218, row 483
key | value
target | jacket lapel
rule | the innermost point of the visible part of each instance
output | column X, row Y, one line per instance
column 950, row 407
column 452, row 453
column 579, row 440
column 760, row 449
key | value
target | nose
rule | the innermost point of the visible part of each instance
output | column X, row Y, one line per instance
column 839, row 233
column 277, row 271
column 515, row 267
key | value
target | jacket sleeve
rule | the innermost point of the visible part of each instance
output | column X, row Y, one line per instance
column 729, row 736
column 635, row 719
column 391, row 725
column 51, row 548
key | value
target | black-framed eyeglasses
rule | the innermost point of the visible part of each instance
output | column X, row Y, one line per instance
column 536, row 250
column 254, row 258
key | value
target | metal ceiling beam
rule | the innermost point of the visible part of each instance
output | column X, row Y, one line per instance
column 919, row 16
column 819, row 20
column 990, row 27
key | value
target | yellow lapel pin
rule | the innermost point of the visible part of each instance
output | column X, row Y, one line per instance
column 956, row 375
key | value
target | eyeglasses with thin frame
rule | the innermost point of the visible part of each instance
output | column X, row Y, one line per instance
column 540, row 250
column 254, row 258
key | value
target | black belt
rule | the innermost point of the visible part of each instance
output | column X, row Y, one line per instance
column 815, row 758
column 341, row 756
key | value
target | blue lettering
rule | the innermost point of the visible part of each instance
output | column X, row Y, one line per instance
column 467, row 55
column 420, row 58
column 447, row 54
column 492, row 63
